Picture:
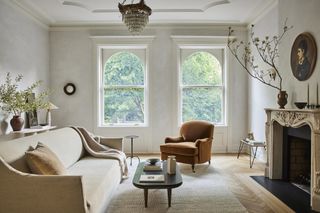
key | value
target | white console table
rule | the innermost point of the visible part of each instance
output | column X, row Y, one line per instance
column 29, row 131
column 25, row 132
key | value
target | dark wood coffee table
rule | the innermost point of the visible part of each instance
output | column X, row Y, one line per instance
column 170, row 181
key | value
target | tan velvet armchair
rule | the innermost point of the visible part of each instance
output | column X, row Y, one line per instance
column 193, row 146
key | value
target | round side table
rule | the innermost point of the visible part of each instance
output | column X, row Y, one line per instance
column 131, row 137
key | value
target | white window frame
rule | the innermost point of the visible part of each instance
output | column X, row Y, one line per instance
column 202, row 43
column 121, row 43
column 144, row 86
column 222, row 86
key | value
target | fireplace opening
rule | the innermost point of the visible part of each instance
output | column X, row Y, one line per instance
column 297, row 156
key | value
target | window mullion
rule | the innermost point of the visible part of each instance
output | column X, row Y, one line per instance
column 201, row 86
column 123, row 87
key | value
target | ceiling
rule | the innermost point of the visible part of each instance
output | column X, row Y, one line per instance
column 87, row 12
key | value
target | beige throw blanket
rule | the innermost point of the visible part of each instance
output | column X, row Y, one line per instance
column 101, row 151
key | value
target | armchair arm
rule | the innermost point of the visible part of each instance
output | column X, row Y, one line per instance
column 200, row 142
column 115, row 143
column 22, row 192
column 204, row 146
column 173, row 139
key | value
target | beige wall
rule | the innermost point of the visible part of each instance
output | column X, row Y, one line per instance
column 71, row 53
column 24, row 49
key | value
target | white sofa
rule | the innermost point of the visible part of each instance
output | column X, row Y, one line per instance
column 87, row 187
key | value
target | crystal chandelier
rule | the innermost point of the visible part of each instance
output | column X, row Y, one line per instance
column 135, row 16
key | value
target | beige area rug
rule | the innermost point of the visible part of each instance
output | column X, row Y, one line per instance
column 203, row 191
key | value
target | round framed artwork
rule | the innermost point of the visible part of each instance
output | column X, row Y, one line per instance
column 303, row 56
column 69, row 89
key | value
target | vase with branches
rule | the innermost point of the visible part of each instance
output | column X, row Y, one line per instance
column 268, row 51
column 15, row 101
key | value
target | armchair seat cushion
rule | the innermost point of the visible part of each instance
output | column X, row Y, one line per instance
column 183, row 148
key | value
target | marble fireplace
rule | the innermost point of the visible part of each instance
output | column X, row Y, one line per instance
column 277, row 121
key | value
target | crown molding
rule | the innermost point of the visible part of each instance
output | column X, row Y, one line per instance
column 261, row 13
column 154, row 26
column 169, row 10
column 37, row 16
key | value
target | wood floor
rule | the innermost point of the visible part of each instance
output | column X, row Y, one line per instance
column 237, row 172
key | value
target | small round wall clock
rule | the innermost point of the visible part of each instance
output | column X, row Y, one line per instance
column 69, row 89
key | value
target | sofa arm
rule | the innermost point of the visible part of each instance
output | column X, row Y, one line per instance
column 22, row 192
column 115, row 143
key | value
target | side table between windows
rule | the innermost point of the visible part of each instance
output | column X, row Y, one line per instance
column 131, row 137
column 252, row 144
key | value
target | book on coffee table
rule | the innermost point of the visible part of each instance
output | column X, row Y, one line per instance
column 151, row 178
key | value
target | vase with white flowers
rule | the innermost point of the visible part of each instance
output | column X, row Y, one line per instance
column 16, row 101
column 268, row 51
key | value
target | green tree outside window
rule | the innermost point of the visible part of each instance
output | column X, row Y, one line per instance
column 202, row 88
column 124, row 89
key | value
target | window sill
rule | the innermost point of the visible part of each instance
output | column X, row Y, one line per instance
column 122, row 126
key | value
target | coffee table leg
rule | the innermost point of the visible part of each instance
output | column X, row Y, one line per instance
column 169, row 197
column 145, row 198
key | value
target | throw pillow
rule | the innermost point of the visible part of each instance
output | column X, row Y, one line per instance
column 43, row 161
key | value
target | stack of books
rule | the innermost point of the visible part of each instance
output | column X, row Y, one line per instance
column 152, row 167
column 151, row 178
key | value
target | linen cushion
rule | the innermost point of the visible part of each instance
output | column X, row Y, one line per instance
column 43, row 161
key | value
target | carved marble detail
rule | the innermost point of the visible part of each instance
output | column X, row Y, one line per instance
column 316, row 189
column 290, row 118
column 278, row 118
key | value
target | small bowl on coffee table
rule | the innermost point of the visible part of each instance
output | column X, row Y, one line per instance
column 152, row 161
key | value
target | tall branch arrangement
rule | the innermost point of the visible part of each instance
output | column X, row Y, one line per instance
column 267, row 49
column 15, row 101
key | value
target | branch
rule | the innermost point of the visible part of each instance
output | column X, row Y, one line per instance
column 253, row 76
column 268, row 52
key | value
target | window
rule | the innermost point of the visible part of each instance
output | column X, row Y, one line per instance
column 202, row 86
column 124, row 88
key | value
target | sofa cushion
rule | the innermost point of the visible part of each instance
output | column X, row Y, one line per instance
column 64, row 142
column 100, row 178
column 43, row 161
column 183, row 148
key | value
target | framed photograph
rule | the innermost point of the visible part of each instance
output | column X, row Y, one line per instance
column 303, row 56
column 32, row 116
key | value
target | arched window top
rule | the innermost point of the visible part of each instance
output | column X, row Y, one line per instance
column 201, row 68
column 124, row 68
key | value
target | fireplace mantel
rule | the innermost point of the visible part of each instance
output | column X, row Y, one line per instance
column 276, row 120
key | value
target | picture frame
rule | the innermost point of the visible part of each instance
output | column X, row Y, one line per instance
column 32, row 116
column 303, row 56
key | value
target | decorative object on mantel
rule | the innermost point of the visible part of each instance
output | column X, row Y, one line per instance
column 303, row 56
column 49, row 108
column 300, row 105
column 308, row 95
column 69, row 89
column 135, row 16
column 313, row 106
column 268, row 51
column 15, row 101
column 317, row 106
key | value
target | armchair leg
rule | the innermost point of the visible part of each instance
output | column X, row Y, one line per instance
column 192, row 166
column 209, row 162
